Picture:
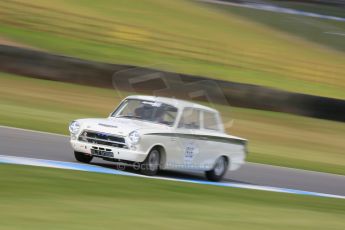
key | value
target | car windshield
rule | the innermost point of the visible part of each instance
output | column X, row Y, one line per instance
column 153, row 111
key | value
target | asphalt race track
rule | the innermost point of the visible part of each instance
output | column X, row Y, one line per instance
column 24, row 143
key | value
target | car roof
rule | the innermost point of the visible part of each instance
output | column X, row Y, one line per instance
column 172, row 101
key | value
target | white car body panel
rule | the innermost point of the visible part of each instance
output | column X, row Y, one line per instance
column 181, row 148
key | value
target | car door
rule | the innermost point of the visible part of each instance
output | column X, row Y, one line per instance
column 187, row 133
column 209, row 133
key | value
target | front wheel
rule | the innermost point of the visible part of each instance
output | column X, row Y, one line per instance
column 219, row 170
column 82, row 157
column 151, row 164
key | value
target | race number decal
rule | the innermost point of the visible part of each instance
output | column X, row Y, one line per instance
column 191, row 150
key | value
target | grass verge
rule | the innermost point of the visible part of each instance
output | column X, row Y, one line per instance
column 184, row 36
column 274, row 138
column 42, row 198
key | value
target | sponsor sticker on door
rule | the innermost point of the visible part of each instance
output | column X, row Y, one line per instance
column 191, row 150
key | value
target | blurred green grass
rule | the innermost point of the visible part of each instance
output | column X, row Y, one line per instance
column 181, row 35
column 274, row 138
column 42, row 198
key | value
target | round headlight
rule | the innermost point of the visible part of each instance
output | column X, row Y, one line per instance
column 74, row 127
column 134, row 137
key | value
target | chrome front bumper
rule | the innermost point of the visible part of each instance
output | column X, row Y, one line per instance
column 105, row 151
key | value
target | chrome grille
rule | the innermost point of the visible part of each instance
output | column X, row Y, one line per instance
column 102, row 139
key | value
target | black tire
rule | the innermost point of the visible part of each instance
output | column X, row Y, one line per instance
column 81, row 157
column 150, row 165
column 219, row 169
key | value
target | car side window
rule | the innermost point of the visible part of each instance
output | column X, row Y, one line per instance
column 210, row 121
column 190, row 119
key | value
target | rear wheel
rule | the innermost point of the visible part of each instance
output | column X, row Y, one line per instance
column 150, row 166
column 82, row 157
column 219, row 169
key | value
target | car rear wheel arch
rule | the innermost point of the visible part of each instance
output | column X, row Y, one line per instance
column 214, row 174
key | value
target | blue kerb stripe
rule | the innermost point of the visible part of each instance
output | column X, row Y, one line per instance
column 60, row 164
column 99, row 169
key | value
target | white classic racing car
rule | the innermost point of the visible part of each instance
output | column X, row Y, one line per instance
column 160, row 133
